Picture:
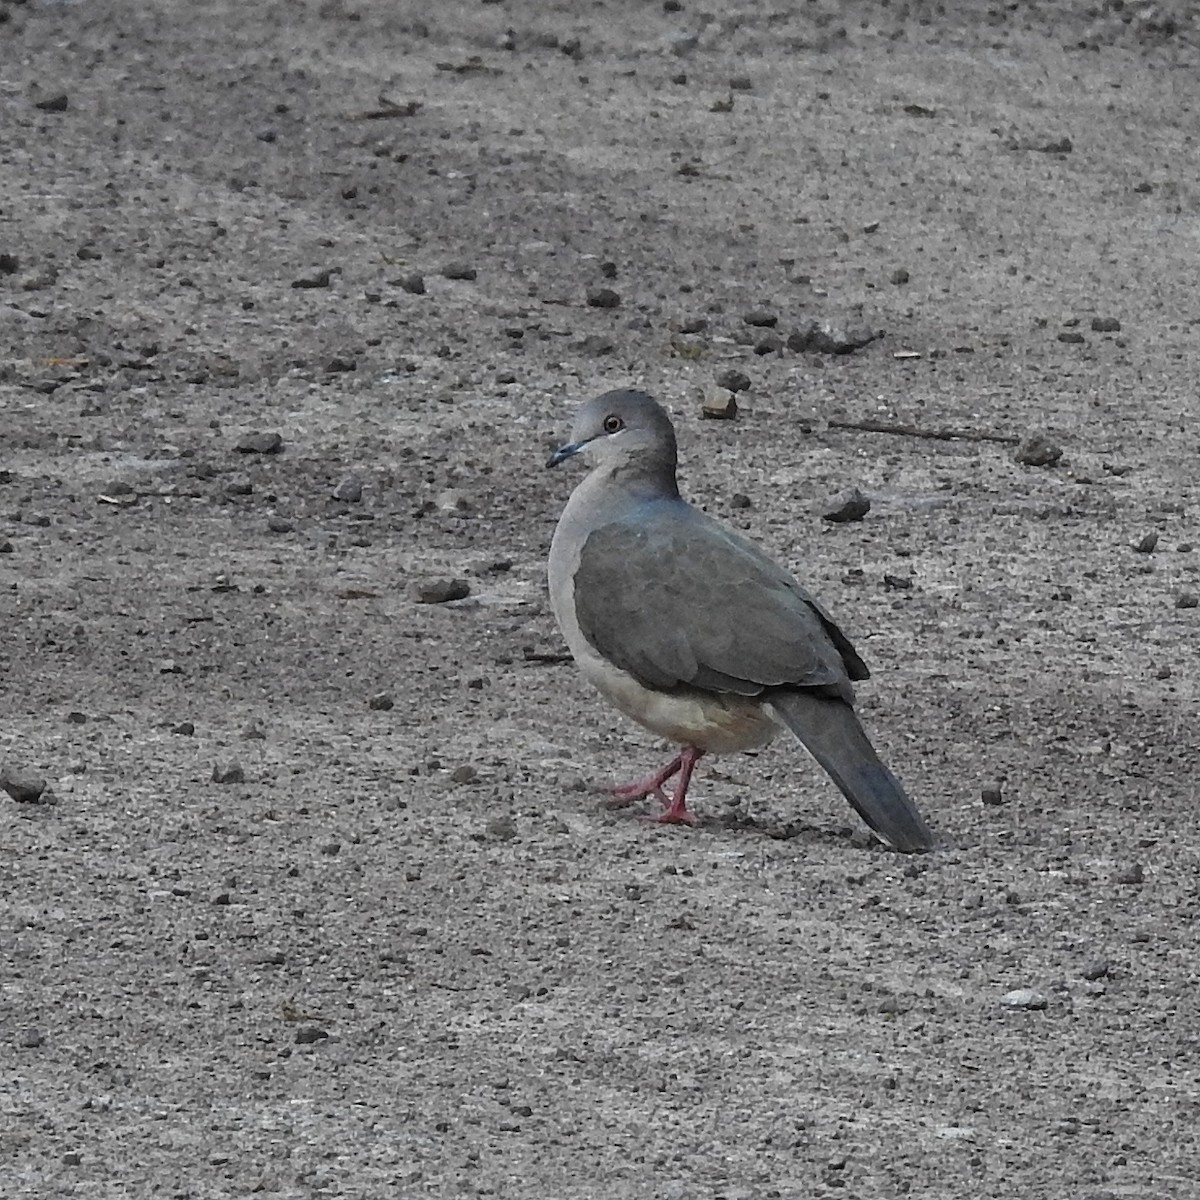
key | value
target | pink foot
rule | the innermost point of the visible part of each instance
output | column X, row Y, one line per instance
column 675, row 810
column 619, row 799
column 673, row 814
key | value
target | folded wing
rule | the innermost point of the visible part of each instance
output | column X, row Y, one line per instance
column 723, row 618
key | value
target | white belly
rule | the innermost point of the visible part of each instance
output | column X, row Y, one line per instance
column 708, row 720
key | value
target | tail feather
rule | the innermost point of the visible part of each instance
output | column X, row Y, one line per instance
column 832, row 734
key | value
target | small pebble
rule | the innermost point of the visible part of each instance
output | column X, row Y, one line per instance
column 280, row 525
column 1132, row 874
column 340, row 365
column 459, row 270
column 57, row 103
column 259, row 443
column 184, row 729
column 501, row 829
column 823, row 337
column 761, row 318
column 315, row 279
column 733, row 380
column 381, row 702
column 438, row 591
column 413, row 283
column 1024, row 998
column 900, row 276
column 1072, row 337
column 228, row 772
column 1146, row 543
column 349, row 491
column 603, row 298
column 682, row 42
column 452, row 501
column 239, row 485
column 307, row 1035
column 31, row 1037
column 740, row 500
column 1106, row 325
column 960, row 1133
column 850, row 505
column 1186, row 600
column 24, row 786
column 36, row 281
column 1096, row 970
column 718, row 404
column 992, row 795
column 595, row 345
column 464, row 774
column 1037, row 450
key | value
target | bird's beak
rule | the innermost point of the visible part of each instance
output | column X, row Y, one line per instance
column 564, row 452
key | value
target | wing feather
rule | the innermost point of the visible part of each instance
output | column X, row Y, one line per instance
column 679, row 600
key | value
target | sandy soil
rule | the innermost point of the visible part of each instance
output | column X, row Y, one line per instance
column 404, row 950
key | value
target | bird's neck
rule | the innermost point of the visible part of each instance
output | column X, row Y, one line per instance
column 645, row 479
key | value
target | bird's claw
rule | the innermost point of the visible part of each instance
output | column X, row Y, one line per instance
column 670, row 816
column 623, row 797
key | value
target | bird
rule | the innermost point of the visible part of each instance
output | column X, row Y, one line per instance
column 695, row 632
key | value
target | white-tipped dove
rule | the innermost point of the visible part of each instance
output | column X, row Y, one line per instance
column 694, row 632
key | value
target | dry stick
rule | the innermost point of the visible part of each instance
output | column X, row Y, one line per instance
column 937, row 435
column 388, row 108
column 549, row 658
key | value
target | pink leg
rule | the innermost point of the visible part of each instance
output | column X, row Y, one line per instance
column 651, row 785
column 676, row 813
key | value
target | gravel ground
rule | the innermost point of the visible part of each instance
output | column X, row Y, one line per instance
column 320, row 897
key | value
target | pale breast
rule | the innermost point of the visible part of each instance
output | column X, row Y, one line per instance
column 721, row 723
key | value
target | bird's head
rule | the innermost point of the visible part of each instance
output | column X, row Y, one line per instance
column 622, row 430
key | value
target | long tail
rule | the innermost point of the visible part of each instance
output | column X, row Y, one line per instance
column 833, row 736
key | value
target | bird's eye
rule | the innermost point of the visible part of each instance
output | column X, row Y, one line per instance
column 613, row 423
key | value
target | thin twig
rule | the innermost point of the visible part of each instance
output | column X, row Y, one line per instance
column 547, row 657
column 388, row 108
column 936, row 435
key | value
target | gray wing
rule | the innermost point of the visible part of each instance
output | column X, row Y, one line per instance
column 677, row 599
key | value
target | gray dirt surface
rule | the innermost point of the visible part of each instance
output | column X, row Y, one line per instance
column 411, row 953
